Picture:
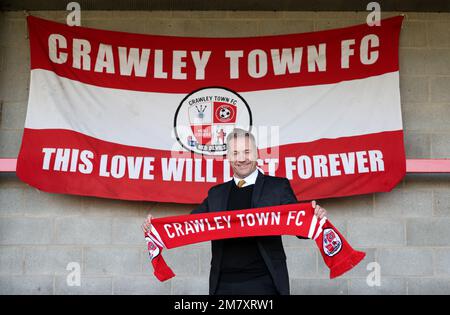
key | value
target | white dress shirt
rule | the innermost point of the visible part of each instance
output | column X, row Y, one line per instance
column 249, row 180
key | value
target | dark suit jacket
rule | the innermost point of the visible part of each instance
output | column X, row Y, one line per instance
column 268, row 191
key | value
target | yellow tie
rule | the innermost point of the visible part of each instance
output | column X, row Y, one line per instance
column 241, row 183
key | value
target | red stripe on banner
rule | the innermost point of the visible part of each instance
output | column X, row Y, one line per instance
column 75, row 162
column 175, row 65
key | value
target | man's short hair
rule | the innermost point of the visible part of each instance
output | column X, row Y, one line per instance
column 238, row 133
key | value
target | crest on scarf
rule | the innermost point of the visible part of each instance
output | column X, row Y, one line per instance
column 332, row 243
column 153, row 249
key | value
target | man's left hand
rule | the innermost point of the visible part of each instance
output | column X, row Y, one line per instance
column 318, row 210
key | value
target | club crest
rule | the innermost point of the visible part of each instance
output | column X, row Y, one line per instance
column 205, row 117
column 332, row 243
column 153, row 250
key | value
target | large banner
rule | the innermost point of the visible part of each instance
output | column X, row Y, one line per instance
column 144, row 117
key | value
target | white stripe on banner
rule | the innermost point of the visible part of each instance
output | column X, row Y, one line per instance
column 304, row 114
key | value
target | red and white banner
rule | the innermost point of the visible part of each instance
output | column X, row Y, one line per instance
column 145, row 117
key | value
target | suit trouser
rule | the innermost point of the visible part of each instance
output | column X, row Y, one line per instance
column 262, row 285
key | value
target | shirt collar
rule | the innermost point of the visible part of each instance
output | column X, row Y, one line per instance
column 249, row 180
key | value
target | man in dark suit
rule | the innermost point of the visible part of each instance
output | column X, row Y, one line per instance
column 247, row 265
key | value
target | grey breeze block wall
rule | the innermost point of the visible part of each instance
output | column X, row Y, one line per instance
column 405, row 231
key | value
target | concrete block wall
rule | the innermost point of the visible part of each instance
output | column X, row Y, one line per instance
column 405, row 231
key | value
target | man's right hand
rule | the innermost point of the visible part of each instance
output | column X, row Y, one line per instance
column 147, row 223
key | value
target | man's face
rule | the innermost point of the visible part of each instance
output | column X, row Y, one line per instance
column 242, row 156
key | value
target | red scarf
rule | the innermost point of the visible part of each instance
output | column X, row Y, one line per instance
column 293, row 219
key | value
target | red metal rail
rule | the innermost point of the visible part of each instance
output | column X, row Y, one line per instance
column 412, row 165
column 428, row 166
column 8, row 165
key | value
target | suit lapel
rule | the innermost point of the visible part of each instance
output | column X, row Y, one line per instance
column 257, row 190
column 223, row 203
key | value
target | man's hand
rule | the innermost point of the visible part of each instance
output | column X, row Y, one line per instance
column 147, row 223
column 318, row 210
